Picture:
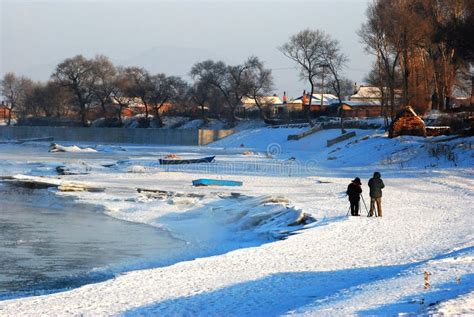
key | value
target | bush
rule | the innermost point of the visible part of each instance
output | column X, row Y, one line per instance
column 445, row 151
column 455, row 121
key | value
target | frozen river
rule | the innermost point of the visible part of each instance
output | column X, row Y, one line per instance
column 50, row 247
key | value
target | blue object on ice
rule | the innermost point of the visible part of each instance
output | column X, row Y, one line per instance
column 216, row 182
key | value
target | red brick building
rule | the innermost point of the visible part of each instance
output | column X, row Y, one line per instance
column 362, row 109
column 4, row 113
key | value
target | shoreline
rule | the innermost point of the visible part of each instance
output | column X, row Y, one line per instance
column 339, row 265
column 173, row 227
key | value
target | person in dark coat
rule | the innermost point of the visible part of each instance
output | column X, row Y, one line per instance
column 353, row 191
column 376, row 184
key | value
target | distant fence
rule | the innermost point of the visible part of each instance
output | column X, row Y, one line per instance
column 306, row 133
column 341, row 138
column 116, row 135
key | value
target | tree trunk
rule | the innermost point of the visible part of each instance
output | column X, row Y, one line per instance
column 83, row 116
column 382, row 83
column 342, row 120
column 158, row 120
column 203, row 113
column 392, row 101
column 82, row 108
column 120, row 115
column 434, row 100
column 233, row 117
column 406, row 75
column 338, row 92
column 308, row 109
column 9, row 116
column 146, row 108
column 260, row 109
column 471, row 101
column 447, row 102
column 104, row 111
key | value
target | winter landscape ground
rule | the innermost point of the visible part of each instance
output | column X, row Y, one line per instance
column 282, row 244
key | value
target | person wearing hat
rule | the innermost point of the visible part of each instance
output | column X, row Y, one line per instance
column 376, row 184
column 353, row 191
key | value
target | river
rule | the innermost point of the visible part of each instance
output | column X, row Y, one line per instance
column 47, row 244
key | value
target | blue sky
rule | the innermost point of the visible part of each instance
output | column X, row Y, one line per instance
column 170, row 36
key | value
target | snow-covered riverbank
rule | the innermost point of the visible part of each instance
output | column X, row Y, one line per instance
column 337, row 265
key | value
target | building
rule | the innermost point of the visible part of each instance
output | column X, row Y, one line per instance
column 328, row 99
column 362, row 109
column 136, row 106
column 458, row 102
column 249, row 104
column 4, row 112
column 373, row 94
column 290, row 106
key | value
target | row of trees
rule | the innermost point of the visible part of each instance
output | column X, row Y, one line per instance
column 423, row 51
column 423, row 48
column 79, row 84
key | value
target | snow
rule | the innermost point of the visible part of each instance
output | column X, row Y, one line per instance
column 73, row 148
column 255, row 261
column 328, row 99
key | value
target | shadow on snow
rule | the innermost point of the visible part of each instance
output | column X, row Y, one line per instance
column 281, row 293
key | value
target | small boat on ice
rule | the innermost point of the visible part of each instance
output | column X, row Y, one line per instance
column 215, row 182
column 208, row 159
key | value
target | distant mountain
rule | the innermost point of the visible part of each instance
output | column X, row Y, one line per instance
column 41, row 72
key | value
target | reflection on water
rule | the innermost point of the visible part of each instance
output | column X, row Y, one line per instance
column 45, row 248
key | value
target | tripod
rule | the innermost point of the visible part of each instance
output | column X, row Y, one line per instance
column 368, row 213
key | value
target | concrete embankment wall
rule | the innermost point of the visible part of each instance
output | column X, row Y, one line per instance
column 116, row 135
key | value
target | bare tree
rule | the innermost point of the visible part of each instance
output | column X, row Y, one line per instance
column 35, row 100
column 377, row 78
column 140, row 86
column 121, row 92
column 14, row 89
column 57, row 101
column 378, row 41
column 423, row 43
column 78, row 74
column 260, row 83
column 238, row 87
column 46, row 99
column 335, row 61
column 230, row 81
column 305, row 48
column 208, row 99
column 449, row 45
column 165, row 90
column 104, row 85
column 200, row 94
column 346, row 87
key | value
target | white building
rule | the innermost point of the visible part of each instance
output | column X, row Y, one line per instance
column 328, row 99
column 250, row 104
column 372, row 94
